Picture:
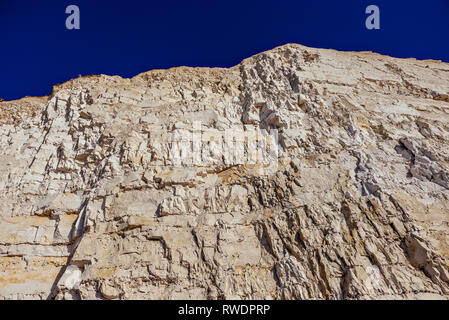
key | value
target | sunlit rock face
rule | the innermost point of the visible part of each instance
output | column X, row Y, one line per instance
column 300, row 173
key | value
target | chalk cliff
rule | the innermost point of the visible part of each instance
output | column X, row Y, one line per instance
column 300, row 173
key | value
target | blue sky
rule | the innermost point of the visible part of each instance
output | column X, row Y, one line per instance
column 129, row 37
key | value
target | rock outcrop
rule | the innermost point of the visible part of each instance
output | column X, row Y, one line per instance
column 300, row 173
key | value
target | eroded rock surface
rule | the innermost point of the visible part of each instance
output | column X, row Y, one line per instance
column 94, row 205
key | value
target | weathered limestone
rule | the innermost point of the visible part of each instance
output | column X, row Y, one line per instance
column 94, row 203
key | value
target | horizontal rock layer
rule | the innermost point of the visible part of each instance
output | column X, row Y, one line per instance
column 104, row 196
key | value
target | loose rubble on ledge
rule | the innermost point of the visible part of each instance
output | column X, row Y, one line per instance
column 93, row 205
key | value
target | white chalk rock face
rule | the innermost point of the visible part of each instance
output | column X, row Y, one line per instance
column 301, row 173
